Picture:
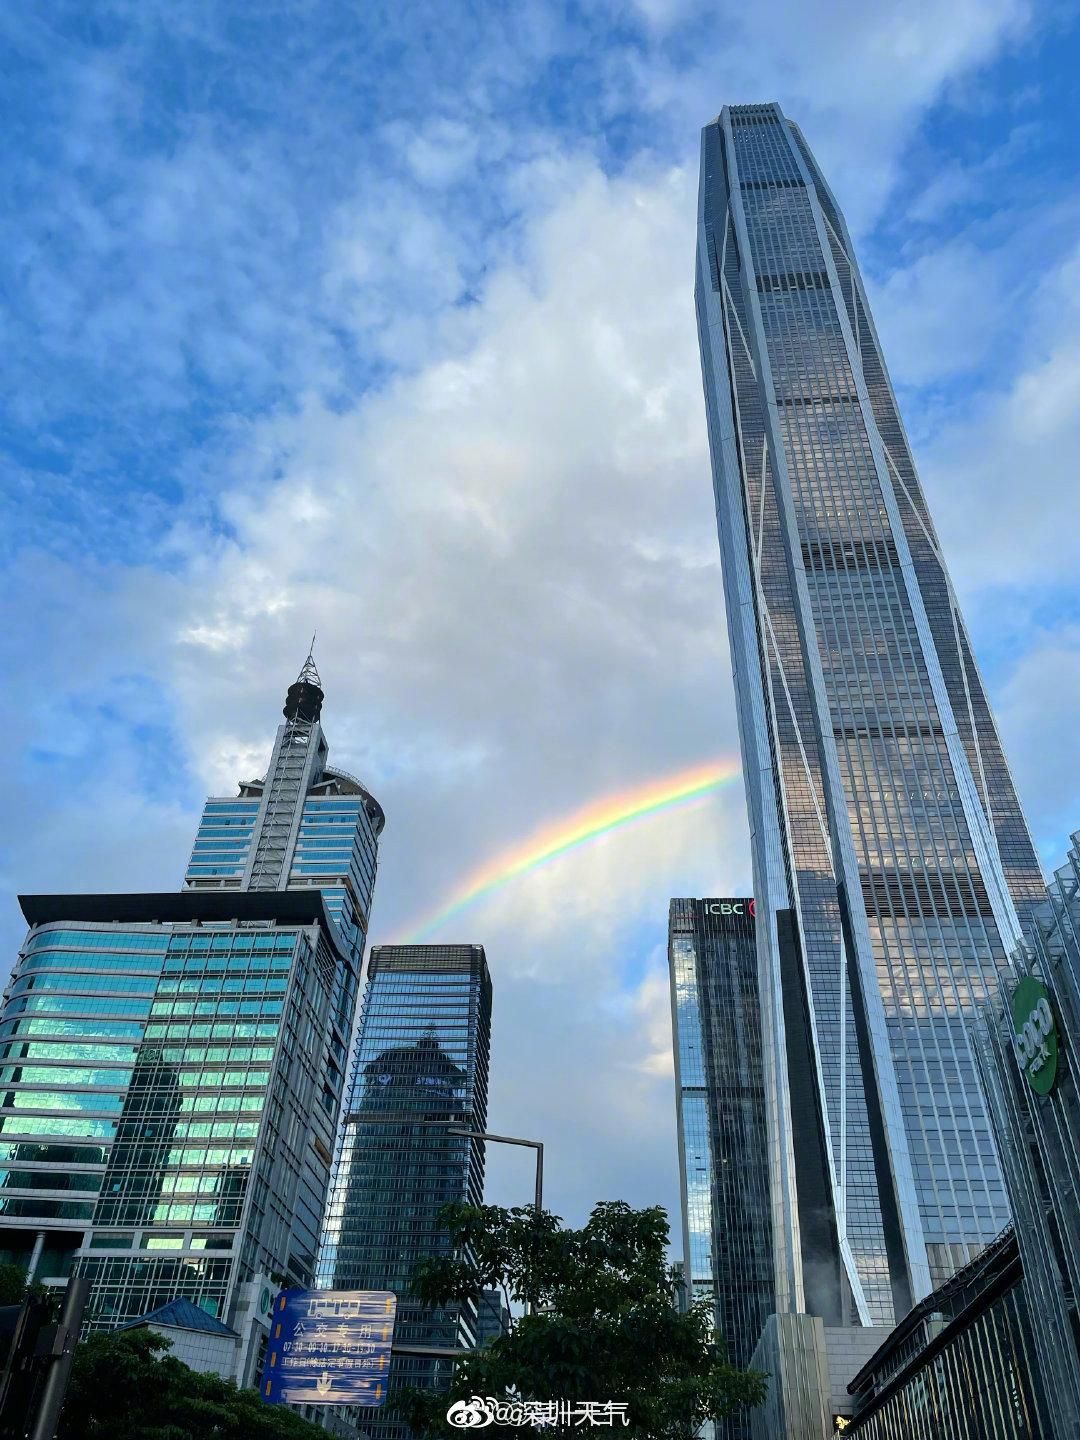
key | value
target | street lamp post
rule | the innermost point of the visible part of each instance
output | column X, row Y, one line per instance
column 537, row 1145
column 446, row 1352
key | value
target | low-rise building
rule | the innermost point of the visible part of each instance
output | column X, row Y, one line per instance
column 960, row 1364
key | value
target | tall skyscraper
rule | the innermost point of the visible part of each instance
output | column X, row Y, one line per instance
column 720, row 1100
column 303, row 825
column 421, row 1068
column 892, row 863
column 172, row 1066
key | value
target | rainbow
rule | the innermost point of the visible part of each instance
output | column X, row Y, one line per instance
column 592, row 822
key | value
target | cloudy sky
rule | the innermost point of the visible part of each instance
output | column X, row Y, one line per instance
column 377, row 320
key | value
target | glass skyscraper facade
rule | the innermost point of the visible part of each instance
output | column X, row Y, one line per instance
column 421, row 1067
column 168, row 1108
column 892, row 864
column 173, row 1065
column 303, row 825
column 720, row 1099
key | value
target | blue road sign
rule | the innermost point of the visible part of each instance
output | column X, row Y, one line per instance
column 329, row 1347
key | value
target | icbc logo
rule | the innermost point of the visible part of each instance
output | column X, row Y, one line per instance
column 729, row 907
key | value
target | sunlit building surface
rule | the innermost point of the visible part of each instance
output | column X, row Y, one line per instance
column 720, row 1099
column 172, row 1067
column 421, row 1069
column 892, row 865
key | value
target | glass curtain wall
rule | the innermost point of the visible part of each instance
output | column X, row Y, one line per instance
column 421, row 1067
column 882, row 810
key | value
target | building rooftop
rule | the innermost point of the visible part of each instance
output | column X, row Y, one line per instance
column 953, row 1305
column 285, row 907
column 182, row 1315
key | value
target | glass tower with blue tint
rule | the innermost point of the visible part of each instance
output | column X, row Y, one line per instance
column 173, row 1065
column 421, row 1067
column 303, row 825
column 893, row 868
column 720, row 1110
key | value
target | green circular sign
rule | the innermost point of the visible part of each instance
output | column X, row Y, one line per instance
column 1035, row 1034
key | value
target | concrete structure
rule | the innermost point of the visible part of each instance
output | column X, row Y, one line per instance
column 810, row 1365
column 891, row 861
column 791, row 1351
column 195, row 1338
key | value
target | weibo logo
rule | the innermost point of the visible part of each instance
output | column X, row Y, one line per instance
column 471, row 1414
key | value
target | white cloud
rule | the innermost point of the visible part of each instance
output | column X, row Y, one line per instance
column 1010, row 456
column 567, row 1071
column 652, row 1007
column 856, row 77
column 444, row 151
column 955, row 185
column 933, row 316
column 1037, row 711
column 510, row 559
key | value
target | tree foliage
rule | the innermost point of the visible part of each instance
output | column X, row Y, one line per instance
column 126, row 1386
column 605, row 1324
column 12, row 1284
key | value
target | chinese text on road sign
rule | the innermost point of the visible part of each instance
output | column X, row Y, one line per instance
column 329, row 1347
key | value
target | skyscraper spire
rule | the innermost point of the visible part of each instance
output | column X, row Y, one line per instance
column 308, row 670
column 305, row 696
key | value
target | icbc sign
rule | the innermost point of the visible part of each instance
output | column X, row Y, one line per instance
column 729, row 907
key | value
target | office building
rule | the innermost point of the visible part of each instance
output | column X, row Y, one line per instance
column 1027, row 1051
column 493, row 1318
column 720, row 1100
column 892, row 865
column 172, row 1066
column 420, row 1072
column 304, row 825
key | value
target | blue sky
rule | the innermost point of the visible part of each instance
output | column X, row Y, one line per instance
column 377, row 320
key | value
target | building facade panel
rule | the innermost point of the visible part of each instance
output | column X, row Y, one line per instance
column 165, row 1109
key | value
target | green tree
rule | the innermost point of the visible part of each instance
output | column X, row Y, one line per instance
column 12, row 1284
column 605, row 1324
column 126, row 1386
